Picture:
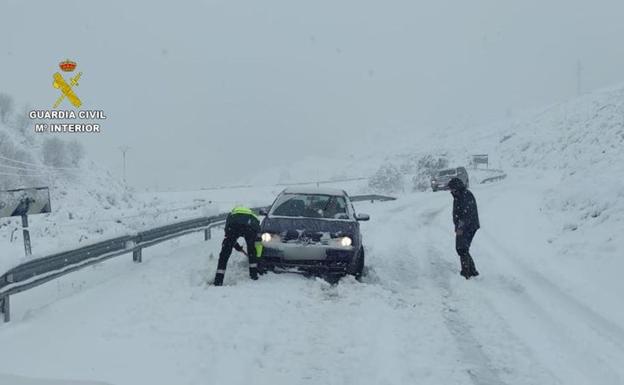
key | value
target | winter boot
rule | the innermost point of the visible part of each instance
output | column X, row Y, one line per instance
column 473, row 268
column 465, row 266
column 253, row 273
column 218, row 281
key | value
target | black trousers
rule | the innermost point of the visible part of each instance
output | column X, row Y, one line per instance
column 232, row 233
column 462, row 246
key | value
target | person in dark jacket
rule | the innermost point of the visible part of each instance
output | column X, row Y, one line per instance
column 241, row 222
column 466, row 220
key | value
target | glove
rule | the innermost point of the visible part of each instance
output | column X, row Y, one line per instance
column 238, row 247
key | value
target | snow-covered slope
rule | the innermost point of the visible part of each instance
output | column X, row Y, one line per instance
column 77, row 192
column 579, row 144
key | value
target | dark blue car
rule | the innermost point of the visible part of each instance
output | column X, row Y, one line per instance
column 313, row 231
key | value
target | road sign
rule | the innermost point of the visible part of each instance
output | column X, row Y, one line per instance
column 480, row 159
column 21, row 202
column 15, row 203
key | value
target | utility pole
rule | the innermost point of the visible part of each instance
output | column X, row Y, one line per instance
column 123, row 150
column 579, row 77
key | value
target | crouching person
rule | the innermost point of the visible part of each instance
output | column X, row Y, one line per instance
column 241, row 222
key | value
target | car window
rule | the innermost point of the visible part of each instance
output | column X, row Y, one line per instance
column 447, row 172
column 310, row 206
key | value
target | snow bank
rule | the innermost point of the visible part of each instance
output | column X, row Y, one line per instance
column 582, row 141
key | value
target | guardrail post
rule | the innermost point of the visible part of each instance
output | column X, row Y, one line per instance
column 5, row 308
column 26, row 234
column 207, row 235
column 137, row 255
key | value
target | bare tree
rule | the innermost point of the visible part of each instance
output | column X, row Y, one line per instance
column 387, row 179
column 6, row 107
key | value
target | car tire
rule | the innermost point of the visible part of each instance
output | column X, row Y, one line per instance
column 264, row 268
column 357, row 269
column 333, row 278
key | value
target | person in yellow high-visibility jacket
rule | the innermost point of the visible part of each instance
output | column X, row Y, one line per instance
column 241, row 222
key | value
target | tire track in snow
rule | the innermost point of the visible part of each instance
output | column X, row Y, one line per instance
column 575, row 350
column 570, row 350
column 496, row 351
column 399, row 272
column 606, row 328
column 483, row 371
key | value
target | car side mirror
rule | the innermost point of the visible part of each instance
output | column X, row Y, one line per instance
column 362, row 217
column 263, row 211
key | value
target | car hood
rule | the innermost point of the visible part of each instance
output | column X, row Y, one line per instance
column 278, row 225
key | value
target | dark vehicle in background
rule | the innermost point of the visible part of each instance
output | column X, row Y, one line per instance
column 439, row 181
column 313, row 231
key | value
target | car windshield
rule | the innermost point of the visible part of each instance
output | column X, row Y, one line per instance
column 447, row 172
column 310, row 206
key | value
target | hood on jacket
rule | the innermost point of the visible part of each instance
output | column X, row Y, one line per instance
column 456, row 184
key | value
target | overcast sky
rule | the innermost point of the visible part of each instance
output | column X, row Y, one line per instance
column 212, row 91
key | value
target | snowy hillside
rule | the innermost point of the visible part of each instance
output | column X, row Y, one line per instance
column 77, row 191
column 88, row 202
column 578, row 143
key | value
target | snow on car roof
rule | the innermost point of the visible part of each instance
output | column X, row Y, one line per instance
column 314, row 190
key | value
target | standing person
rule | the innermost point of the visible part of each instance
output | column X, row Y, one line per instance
column 241, row 222
column 466, row 220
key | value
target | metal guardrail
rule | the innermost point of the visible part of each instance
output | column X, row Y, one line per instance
column 41, row 270
column 494, row 178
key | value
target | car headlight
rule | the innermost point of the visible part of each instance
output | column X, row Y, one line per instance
column 266, row 237
column 345, row 241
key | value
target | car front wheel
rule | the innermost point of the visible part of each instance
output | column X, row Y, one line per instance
column 358, row 266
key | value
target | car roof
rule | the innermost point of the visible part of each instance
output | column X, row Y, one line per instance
column 314, row 191
column 455, row 169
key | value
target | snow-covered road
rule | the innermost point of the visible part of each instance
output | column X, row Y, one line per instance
column 412, row 320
